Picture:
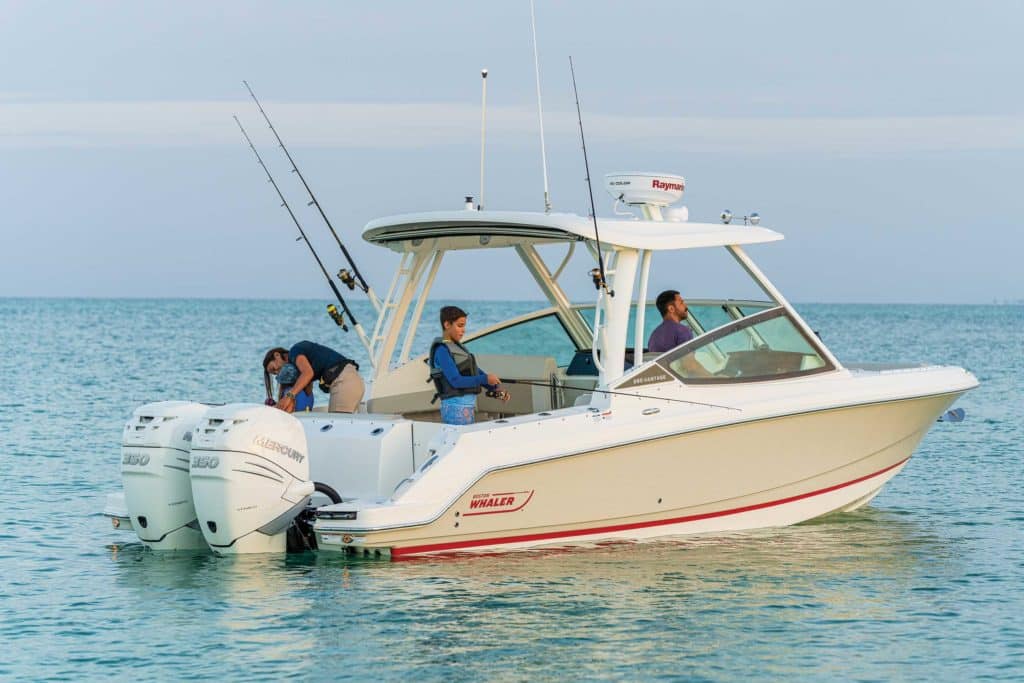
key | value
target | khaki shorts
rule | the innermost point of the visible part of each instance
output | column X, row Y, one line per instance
column 346, row 391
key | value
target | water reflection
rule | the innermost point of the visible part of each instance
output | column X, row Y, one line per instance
column 693, row 594
column 245, row 604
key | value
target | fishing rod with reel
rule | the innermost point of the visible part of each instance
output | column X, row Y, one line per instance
column 598, row 274
column 337, row 316
column 349, row 278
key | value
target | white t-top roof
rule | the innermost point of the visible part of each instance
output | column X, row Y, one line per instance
column 529, row 226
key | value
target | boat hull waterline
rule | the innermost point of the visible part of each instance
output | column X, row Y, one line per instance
column 765, row 473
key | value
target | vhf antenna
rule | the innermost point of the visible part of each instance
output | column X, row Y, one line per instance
column 483, row 134
column 598, row 277
column 540, row 112
column 344, row 275
column 338, row 318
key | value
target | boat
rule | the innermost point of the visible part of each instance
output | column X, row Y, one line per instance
column 753, row 423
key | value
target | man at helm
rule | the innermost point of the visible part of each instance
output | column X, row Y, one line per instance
column 671, row 332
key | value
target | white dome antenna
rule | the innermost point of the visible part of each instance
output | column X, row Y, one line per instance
column 652, row 189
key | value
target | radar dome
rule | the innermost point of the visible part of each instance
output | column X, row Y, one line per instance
column 655, row 189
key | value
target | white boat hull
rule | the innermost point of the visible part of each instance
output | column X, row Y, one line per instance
column 762, row 473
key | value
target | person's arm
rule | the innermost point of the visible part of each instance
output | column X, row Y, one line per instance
column 444, row 361
column 306, row 374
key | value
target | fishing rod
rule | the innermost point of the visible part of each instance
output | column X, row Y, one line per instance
column 619, row 393
column 347, row 278
column 338, row 318
column 598, row 277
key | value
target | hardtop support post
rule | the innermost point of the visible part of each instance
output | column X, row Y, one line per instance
column 390, row 340
column 417, row 313
column 641, row 307
column 613, row 342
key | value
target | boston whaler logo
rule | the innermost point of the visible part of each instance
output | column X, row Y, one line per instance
column 493, row 503
column 271, row 445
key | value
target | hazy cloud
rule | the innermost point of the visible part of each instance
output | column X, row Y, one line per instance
column 369, row 125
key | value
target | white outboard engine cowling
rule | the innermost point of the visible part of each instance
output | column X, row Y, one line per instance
column 250, row 477
column 155, row 453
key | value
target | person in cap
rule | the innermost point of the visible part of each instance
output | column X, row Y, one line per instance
column 672, row 331
column 287, row 376
column 336, row 373
column 457, row 377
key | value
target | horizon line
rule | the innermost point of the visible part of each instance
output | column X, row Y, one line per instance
column 3, row 297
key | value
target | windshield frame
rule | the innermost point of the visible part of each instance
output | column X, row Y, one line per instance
column 666, row 359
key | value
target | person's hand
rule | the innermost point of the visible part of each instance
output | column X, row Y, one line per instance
column 493, row 379
column 286, row 404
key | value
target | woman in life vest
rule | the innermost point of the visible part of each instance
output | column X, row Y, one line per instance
column 457, row 378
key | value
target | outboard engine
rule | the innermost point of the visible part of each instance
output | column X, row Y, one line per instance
column 250, row 477
column 155, row 456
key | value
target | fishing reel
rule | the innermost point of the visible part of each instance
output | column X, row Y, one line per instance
column 598, row 280
column 337, row 316
column 499, row 394
column 347, row 278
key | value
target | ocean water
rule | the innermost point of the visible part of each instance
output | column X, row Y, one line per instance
column 925, row 583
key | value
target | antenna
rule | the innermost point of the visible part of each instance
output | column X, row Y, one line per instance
column 483, row 134
column 599, row 281
column 540, row 112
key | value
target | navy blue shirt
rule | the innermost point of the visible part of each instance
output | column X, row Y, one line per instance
column 319, row 356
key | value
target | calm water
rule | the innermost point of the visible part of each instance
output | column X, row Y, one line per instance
column 926, row 583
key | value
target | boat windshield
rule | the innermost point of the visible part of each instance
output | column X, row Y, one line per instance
column 544, row 334
column 704, row 315
column 765, row 346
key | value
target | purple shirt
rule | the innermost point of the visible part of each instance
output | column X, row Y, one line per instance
column 668, row 335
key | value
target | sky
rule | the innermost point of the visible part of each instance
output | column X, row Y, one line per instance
column 884, row 140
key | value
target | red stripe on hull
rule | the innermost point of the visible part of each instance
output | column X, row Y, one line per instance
column 525, row 538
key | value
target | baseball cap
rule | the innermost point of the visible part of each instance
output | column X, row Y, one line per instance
column 287, row 375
